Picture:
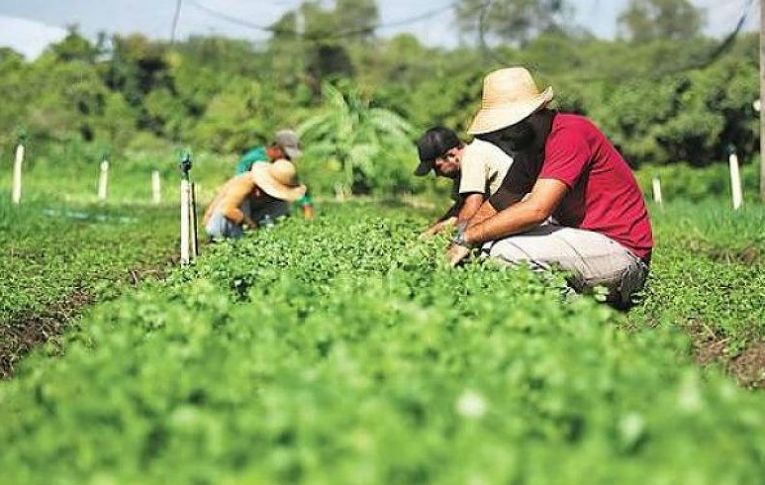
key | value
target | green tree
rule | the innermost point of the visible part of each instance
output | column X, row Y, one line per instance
column 232, row 119
column 14, row 82
column 646, row 20
column 138, row 66
column 351, row 135
column 74, row 47
column 352, row 19
column 221, row 55
column 70, row 97
column 312, row 42
column 516, row 21
column 358, row 16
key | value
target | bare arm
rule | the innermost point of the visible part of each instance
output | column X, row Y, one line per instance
column 530, row 212
column 234, row 196
column 211, row 208
column 485, row 212
column 470, row 206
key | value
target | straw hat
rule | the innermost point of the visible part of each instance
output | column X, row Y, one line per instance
column 509, row 96
column 278, row 179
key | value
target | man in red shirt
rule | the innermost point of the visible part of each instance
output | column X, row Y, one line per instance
column 570, row 199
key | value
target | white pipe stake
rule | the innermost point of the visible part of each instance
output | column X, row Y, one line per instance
column 193, row 221
column 185, row 214
column 16, row 196
column 735, row 182
column 156, row 187
column 103, row 180
column 657, row 190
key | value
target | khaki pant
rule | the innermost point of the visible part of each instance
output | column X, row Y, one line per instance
column 591, row 258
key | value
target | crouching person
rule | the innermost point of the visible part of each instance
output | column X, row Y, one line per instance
column 286, row 145
column 246, row 200
column 476, row 170
column 601, row 232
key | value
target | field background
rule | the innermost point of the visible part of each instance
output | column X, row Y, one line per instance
column 344, row 350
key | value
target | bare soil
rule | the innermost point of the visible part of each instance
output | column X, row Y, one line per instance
column 747, row 367
column 28, row 330
column 748, row 255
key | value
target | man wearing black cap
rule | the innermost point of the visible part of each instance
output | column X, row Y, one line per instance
column 477, row 171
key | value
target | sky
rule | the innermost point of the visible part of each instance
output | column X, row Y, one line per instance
column 29, row 25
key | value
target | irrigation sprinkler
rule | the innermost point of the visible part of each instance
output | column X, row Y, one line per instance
column 103, row 178
column 188, row 213
column 735, row 178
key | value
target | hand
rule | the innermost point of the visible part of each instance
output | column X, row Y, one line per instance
column 430, row 232
column 249, row 225
column 456, row 253
column 438, row 227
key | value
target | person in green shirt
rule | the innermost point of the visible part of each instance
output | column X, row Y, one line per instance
column 286, row 145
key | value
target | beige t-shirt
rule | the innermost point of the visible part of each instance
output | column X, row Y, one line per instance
column 483, row 168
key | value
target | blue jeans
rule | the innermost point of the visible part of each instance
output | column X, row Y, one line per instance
column 219, row 227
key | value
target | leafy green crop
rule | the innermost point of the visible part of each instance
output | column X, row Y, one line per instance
column 344, row 351
column 707, row 272
column 54, row 264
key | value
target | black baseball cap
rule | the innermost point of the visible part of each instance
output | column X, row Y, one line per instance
column 434, row 143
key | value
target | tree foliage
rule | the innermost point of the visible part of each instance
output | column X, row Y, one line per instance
column 321, row 37
column 359, row 139
column 646, row 20
column 661, row 101
column 516, row 21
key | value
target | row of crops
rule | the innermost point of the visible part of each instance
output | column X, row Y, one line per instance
column 57, row 259
column 708, row 278
column 344, row 350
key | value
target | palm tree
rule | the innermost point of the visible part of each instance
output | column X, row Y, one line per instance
column 348, row 130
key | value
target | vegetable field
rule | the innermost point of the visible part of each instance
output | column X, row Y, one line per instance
column 58, row 259
column 344, row 350
column 708, row 279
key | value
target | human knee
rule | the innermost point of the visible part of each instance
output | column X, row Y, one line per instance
column 621, row 292
column 507, row 252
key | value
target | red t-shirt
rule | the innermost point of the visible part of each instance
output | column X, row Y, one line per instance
column 603, row 195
